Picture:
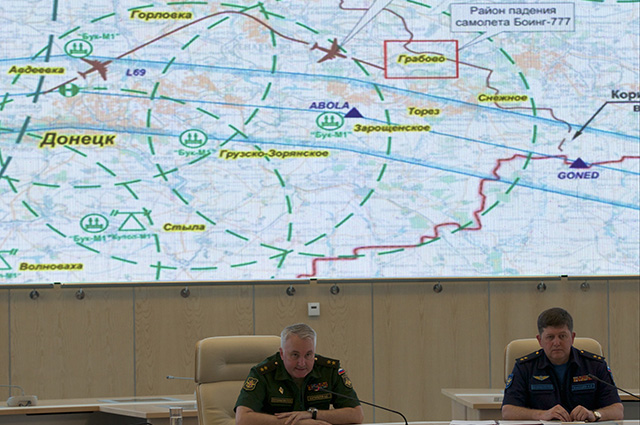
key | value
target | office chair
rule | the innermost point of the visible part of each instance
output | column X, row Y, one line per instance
column 521, row 347
column 222, row 365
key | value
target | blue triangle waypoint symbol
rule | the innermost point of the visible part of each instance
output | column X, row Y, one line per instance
column 353, row 113
column 579, row 163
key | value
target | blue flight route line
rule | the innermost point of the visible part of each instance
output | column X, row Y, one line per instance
column 527, row 151
column 521, row 183
column 280, row 108
column 147, row 132
column 368, row 84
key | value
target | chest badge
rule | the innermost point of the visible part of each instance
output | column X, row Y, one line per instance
column 541, row 377
column 281, row 390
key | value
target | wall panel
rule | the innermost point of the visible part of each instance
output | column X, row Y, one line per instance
column 400, row 342
column 624, row 357
column 344, row 325
column 425, row 341
column 168, row 326
column 515, row 307
column 62, row 347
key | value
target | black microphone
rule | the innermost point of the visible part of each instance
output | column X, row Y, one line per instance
column 611, row 385
column 363, row 402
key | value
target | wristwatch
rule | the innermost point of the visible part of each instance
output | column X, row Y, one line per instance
column 598, row 415
column 314, row 412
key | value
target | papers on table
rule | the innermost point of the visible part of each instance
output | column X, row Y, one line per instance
column 501, row 422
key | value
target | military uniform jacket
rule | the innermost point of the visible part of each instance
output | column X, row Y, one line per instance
column 534, row 384
column 270, row 389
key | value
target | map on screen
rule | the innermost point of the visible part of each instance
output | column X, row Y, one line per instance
column 195, row 141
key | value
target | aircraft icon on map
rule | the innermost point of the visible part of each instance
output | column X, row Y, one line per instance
column 331, row 53
column 96, row 65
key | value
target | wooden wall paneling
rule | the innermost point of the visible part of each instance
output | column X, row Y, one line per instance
column 343, row 327
column 62, row 347
column 5, row 346
column 515, row 306
column 425, row 341
column 395, row 339
column 169, row 325
column 624, row 356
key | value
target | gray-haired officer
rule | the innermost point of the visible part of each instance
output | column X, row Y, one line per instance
column 287, row 388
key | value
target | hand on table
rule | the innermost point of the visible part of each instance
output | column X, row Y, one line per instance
column 581, row 413
column 557, row 412
column 299, row 418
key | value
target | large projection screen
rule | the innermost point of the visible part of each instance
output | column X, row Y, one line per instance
column 205, row 141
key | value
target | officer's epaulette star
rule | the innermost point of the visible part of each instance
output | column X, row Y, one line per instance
column 530, row 356
column 326, row 361
column 591, row 355
column 267, row 366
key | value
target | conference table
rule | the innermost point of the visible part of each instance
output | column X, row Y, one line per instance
column 475, row 404
column 102, row 411
column 479, row 404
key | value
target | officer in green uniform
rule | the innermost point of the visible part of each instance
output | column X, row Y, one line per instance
column 288, row 387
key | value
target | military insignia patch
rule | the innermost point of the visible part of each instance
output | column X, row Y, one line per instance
column 541, row 377
column 345, row 378
column 250, row 384
column 581, row 378
column 509, row 381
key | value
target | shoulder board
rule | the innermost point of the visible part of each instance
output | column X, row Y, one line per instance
column 530, row 356
column 591, row 356
column 327, row 362
column 267, row 366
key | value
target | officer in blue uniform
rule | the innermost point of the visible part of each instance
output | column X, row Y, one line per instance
column 554, row 383
column 288, row 387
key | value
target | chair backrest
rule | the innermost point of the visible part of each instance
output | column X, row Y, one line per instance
column 222, row 365
column 521, row 347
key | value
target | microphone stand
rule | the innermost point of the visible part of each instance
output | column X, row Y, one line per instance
column 364, row 402
column 611, row 385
